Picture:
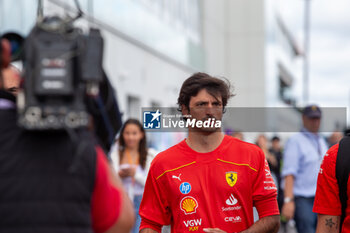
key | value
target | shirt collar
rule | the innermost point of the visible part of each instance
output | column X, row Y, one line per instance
column 309, row 134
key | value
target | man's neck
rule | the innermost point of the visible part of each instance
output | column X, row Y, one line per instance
column 310, row 132
column 204, row 142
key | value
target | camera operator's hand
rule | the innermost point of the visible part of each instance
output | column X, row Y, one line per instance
column 126, row 172
column 11, row 80
column 5, row 53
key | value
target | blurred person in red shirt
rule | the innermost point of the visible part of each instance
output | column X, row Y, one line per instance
column 330, row 189
column 39, row 193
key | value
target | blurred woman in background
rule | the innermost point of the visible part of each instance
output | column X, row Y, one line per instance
column 262, row 142
column 131, row 159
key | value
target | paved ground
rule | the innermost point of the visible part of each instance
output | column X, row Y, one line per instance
column 288, row 228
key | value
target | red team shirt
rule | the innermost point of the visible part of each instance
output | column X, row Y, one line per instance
column 327, row 194
column 106, row 198
column 192, row 190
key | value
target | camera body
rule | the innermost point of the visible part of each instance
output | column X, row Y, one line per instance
column 62, row 65
column 64, row 85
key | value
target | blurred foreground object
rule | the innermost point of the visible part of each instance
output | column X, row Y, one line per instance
column 56, row 178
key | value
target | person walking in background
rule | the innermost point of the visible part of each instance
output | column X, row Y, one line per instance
column 238, row 134
column 262, row 142
column 131, row 159
column 303, row 154
column 276, row 152
column 332, row 194
column 327, row 201
column 334, row 138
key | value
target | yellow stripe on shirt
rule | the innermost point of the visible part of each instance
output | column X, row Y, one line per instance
column 238, row 164
column 175, row 169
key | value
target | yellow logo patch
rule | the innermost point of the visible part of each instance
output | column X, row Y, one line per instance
column 231, row 178
column 188, row 205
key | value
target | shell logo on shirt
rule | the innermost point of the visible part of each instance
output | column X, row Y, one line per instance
column 231, row 178
column 188, row 205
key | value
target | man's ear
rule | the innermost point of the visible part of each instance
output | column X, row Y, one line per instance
column 6, row 53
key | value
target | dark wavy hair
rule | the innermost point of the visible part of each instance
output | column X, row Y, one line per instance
column 142, row 144
column 199, row 81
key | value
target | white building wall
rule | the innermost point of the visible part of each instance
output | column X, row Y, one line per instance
column 235, row 36
column 234, row 42
column 235, row 46
column 214, row 27
column 136, row 72
column 246, row 49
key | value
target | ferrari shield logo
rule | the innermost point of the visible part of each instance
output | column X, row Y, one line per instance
column 231, row 178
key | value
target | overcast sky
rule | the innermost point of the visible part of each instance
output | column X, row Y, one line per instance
column 329, row 84
column 330, row 52
column 329, row 49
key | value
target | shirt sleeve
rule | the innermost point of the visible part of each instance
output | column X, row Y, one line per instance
column 265, row 191
column 327, row 193
column 154, row 208
column 291, row 158
column 145, row 223
column 141, row 174
column 114, row 155
column 106, row 198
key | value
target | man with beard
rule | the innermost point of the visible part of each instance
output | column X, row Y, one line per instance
column 209, row 182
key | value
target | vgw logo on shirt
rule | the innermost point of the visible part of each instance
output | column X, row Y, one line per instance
column 193, row 225
column 185, row 188
column 152, row 119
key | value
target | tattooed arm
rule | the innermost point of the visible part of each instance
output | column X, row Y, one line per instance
column 327, row 223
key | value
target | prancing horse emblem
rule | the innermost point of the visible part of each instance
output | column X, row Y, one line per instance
column 231, row 178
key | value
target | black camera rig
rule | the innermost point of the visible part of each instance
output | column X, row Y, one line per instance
column 61, row 65
column 62, row 78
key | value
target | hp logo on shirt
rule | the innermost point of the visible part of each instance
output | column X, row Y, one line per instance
column 151, row 119
column 185, row 188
